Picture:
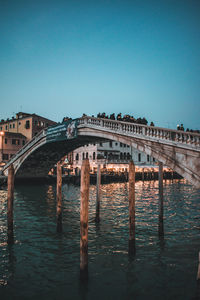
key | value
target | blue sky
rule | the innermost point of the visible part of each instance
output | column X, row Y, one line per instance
column 66, row 58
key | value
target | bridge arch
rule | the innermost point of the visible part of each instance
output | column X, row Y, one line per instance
column 179, row 151
column 180, row 160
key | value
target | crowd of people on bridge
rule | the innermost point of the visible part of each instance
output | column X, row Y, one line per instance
column 180, row 127
column 125, row 118
column 131, row 119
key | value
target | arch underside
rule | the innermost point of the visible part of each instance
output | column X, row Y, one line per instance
column 39, row 162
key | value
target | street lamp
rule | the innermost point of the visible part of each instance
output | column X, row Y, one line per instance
column 2, row 133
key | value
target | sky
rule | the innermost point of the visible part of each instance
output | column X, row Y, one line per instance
column 66, row 58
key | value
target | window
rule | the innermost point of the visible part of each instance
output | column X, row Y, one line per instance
column 77, row 157
column 23, row 142
column 116, row 144
column 110, row 143
column 153, row 159
column 124, row 145
column 13, row 125
column 19, row 123
column 5, row 156
column 121, row 155
column 6, row 141
column 27, row 125
column 100, row 144
column 1, row 128
column 6, row 127
column 10, row 126
column 83, row 156
column 121, row 144
column 94, row 155
column 86, row 155
column 139, row 156
column 14, row 141
column 147, row 157
column 18, row 142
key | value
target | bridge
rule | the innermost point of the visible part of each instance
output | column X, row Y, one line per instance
column 178, row 150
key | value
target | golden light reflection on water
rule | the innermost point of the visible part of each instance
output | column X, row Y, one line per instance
column 41, row 252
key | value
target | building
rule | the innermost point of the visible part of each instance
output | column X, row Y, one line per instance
column 112, row 155
column 27, row 124
column 16, row 132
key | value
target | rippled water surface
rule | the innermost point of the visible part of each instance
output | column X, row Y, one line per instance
column 45, row 265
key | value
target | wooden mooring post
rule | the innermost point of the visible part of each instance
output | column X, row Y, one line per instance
column 10, row 203
column 131, row 208
column 142, row 174
column 160, row 177
column 98, row 195
column 59, row 197
column 198, row 272
column 85, row 182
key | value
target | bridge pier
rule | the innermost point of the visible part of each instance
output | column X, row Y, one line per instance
column 59, row 197
column 131, row 208
column 98, row 185
column 10, row 204
column 160, row 177
column 85, row 182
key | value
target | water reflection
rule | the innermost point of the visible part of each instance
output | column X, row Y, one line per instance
column 51, row 262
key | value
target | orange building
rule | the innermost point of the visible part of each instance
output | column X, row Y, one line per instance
column 15, row 132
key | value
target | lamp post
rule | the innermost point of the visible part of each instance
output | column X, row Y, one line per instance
column 2, row 133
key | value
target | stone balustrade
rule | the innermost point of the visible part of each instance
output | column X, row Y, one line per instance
column 156, row 133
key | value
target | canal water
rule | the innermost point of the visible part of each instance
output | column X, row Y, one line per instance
column 45, row 265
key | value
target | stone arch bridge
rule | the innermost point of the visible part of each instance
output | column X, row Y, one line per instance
column 178, row 150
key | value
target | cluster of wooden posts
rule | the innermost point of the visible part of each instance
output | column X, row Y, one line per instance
column 85, row 183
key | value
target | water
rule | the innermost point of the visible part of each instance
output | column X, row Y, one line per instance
column 45, row 265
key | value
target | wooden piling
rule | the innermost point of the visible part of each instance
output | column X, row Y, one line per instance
column 153, row 174
column 198, row 272
column 10, row 204
column 59, row 197
column 85, row 181
column 142, row 174
column 131, row 207
column 160, row 176
column 97, row 218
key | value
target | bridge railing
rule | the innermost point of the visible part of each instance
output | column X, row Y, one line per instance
column 26, row 147
column 183, row 137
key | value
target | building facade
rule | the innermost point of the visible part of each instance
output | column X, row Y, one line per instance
column 16, row 132
column 112, row 156
column 27, row 124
